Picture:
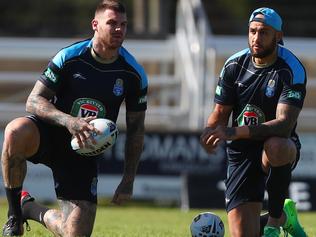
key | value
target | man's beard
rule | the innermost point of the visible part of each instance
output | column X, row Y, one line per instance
column 114, row 46
column 268, row 51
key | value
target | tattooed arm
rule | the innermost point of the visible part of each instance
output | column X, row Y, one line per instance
column 281, row 126
column 286, row 117
column 134, row 142
column 38, row 103
column 133, row 149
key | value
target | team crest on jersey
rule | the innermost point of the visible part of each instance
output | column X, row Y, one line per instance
column 118, row 87
column 251, row 116
column 270, row 89
column 84, row 107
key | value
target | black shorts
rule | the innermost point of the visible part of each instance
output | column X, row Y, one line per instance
column 245, row 181
column 75, row 176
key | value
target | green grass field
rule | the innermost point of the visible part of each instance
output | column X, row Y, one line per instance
column 143, row 221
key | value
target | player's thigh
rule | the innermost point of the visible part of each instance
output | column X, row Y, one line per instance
column 244, row 220
column 21, row 136
column 78, row 217
column 75, row 177
column 245, row 181
column 44, row 142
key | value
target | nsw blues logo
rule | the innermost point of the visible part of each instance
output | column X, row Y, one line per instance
column 118, row 87
column 270, row 89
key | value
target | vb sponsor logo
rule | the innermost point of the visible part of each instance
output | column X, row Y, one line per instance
column 85, row 107
column 251, row 115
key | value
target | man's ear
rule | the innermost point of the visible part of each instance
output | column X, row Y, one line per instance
column 94, row 24
column 279, row 35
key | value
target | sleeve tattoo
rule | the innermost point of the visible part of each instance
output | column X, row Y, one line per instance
column 286, row 117
column 39, row 104
column 134, row 141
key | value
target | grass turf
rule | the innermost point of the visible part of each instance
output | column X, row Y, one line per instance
column 143, row 221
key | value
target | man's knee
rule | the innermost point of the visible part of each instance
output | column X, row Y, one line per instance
column 80, row 220
column 80, row 231
column 21, row 136
column 279, row 151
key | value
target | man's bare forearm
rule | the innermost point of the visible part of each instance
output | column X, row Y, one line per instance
column 286, row 117
column 134, row 142
column 38, row 103
column 281, row 126
column 273, row 129
column 45, row 110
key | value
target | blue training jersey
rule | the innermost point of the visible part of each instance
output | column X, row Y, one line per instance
column 254, row 92
column 86, row 87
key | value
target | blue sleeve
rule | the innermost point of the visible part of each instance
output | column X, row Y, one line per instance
column 225, row 93
column 293, row 92
column 294, row 84
column 51, row 77
column 136, row 99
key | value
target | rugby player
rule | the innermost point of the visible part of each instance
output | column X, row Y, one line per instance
column 98, row 74
column 263, row 87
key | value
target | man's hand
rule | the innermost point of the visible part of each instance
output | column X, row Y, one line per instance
column 82, row 130
column 39, row 103
column 123, row 192
column 210, row 138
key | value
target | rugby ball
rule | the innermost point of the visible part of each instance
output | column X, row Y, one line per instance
column 207, row 224
column 105, row 140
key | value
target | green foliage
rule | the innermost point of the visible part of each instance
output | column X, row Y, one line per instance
column 240, row 9
column 44, row 18
column 58, row 18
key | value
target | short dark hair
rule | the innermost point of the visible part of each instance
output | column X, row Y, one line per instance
column 110, row 4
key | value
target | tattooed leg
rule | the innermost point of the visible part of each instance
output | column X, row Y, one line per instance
column 76, row 218
column 13, row 169
column 21, row 140
column 53, row 221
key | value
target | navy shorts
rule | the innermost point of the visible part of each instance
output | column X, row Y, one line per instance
column 245, row 181
column 75, row 176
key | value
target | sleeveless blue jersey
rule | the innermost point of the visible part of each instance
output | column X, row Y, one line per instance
column 85, row 87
